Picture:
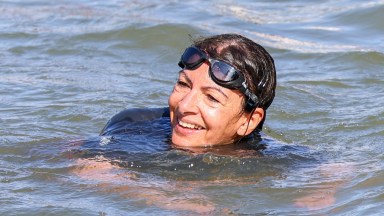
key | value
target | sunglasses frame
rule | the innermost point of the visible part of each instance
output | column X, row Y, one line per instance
column 238, row 83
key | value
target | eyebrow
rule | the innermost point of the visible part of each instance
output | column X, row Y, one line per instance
column 182, row 73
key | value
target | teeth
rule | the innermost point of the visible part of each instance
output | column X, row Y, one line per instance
column 188, row 125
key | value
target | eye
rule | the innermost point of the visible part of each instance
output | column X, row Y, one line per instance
column 213, row 99
column 182, row 84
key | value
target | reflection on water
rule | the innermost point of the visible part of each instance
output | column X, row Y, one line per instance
column 67, row 67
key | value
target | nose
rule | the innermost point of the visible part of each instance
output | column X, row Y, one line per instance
column 189, row 103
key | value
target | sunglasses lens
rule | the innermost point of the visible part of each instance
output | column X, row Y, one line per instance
column 192, row 58
column 223, row 71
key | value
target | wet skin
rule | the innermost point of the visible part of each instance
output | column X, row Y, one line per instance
column 203, row 113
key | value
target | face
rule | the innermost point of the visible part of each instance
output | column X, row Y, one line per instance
column 203, row 113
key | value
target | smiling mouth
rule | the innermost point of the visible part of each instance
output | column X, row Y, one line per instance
column 189, row 125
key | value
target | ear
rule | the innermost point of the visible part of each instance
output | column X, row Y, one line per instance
column 251, row 122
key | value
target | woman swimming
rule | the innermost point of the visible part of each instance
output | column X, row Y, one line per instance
column 226, row 84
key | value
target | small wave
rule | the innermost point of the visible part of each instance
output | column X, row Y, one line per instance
column 286, row 43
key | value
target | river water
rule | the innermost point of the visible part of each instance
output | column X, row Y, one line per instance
column 68, row 66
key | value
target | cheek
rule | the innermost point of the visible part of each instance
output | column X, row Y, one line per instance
column 171, row 104
column 172, row 100
column 211, row 113
column 221, row 119
column 214, row 118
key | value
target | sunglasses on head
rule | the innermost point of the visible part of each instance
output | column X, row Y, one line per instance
column 220, row 72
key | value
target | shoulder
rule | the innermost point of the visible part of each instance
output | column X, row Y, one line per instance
column 134, row 115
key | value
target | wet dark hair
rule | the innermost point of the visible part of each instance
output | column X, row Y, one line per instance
column 248, row 57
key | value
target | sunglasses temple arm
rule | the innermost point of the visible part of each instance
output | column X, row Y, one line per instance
column 244, row 88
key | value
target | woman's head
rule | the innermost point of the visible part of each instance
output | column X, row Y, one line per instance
column 211, row 104
column 251, row 59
